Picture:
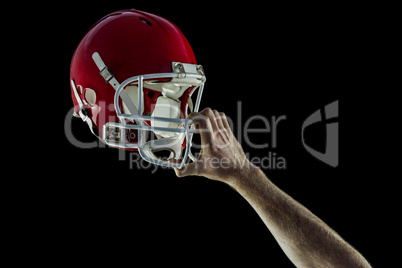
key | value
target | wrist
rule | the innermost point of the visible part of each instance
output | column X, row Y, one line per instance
column 244, row 175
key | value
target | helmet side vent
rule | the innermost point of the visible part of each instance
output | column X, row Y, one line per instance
column 145, row 21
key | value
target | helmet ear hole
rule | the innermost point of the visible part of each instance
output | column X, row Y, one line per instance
column 90, row 96
column 151, row 94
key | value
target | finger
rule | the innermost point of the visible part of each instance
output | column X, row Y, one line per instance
column 200, row 121
column 225, row 122
column 203, row 123
column 211, row 116
column 218, row 119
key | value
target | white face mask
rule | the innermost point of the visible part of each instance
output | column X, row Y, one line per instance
column 167, row 106
column 166, row 119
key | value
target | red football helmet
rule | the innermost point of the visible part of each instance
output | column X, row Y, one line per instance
column 132, row 77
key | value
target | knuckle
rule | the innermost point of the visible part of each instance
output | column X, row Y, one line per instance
column 197, row 117
column 207, row 111
column 193, row 114
column 207, row 120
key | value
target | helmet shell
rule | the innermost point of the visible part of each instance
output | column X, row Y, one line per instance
column 131, row 43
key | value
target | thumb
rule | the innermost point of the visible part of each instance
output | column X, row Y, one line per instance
column 187, row 170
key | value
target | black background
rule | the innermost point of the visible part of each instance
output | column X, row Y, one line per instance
column 87, row 206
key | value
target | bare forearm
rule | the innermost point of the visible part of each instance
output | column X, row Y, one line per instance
column 305, row 239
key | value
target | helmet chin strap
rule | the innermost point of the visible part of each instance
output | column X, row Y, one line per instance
column 109, row 78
